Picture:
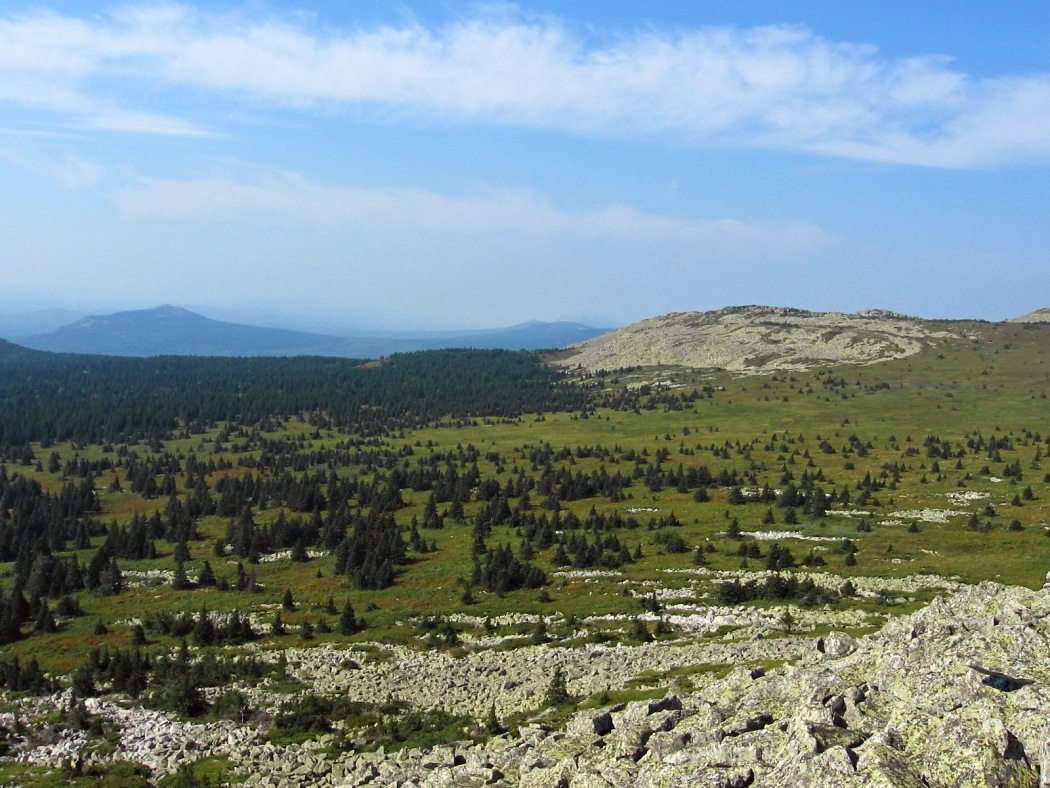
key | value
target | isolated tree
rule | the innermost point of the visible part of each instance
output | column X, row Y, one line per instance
column 557, row 689
column 492, row 723
column 207, row 575
column 138, row 635
column 180, row 580
column 348, row 624
column 467, row 597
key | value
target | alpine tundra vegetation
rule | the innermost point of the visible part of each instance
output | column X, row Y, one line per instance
column 753, row 546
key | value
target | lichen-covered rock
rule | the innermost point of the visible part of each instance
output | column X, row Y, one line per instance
column 837, row 645
column 594, row 725
column 755, row 338
column 918, row 703
column 972, row 749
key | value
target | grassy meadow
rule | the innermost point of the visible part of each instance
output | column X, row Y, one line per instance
column 965, row 416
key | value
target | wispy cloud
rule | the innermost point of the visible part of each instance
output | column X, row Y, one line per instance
column 290, row 198
column 70, row 172
column 779, row 87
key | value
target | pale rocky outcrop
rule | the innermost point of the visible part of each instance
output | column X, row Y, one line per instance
column 1038, row 316
column 756, row 339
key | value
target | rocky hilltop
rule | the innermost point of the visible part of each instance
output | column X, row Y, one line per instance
column 953, row 695
column 757, row 339
column 1038, row 316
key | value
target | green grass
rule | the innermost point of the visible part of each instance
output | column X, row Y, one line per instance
column 119, row 775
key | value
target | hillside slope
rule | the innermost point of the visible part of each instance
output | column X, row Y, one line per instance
column 757, row 338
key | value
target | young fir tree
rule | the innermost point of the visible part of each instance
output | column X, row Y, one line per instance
column 348, row 624
column 557, row 690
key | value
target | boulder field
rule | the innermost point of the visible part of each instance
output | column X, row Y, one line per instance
column 955, row 694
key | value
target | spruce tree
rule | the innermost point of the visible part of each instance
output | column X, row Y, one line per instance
column 207, row 575
column 492, row 723
column 557, row 690
column 45, row 622
column 348, row 620
column 181, row 580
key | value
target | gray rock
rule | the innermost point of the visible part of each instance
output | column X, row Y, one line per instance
column 838, row 645
column 584, row 724
column 667, row 703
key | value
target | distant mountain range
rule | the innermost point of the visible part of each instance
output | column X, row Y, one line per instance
column 170, row 330
column 744, row 338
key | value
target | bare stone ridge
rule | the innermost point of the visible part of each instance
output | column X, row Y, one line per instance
column 754, row 339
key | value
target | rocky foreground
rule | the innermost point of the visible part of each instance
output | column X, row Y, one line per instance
column 953, row 695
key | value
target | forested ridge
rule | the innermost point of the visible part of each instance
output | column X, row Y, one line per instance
column 49, row 397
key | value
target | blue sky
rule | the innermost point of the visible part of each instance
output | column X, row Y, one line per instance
column 452, row 164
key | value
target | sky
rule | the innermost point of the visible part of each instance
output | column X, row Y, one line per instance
column 451, row 164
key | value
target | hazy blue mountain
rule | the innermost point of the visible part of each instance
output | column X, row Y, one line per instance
column 169, row 330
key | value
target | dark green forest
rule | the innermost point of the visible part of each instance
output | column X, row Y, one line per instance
column 56, row 397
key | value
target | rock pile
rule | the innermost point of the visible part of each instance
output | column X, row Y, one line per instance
column 901, row 707
column 953, row 695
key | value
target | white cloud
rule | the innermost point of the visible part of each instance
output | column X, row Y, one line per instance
column 292, row 199
column 47, row 62
column 780, row 87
